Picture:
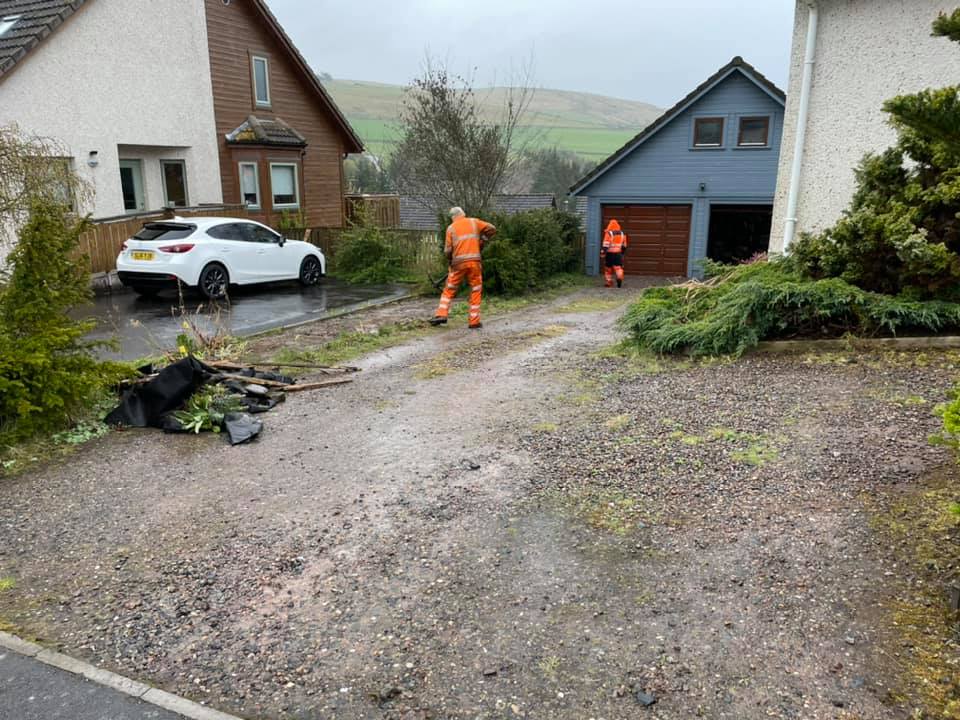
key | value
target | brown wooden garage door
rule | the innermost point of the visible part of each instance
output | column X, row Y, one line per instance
column 658, row 237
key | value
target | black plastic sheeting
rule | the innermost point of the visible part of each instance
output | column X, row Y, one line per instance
column 153, row 403
column 147, row 405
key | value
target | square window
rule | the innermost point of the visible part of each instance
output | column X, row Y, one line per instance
column 261, row 81
column 708, row 132
column 283, row 185
column 754, row 131
column 250, row 185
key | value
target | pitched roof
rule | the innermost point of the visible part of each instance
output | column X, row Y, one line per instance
column 354, row 143
column 265, row 131
column 738, row 64
column 422, row 213
column 37, row 20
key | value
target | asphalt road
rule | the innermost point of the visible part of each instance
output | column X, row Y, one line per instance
column 30, row 690
column 147, row 326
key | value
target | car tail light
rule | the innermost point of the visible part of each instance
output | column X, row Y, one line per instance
column 124, row 246
column 179, row 248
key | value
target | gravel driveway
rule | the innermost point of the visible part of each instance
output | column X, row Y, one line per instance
column 498, row 525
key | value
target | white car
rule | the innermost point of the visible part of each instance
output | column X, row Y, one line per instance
column 212, row 253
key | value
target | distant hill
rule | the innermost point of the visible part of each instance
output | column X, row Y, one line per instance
column 590, row 125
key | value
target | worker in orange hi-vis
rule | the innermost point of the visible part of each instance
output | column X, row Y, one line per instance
column 611, row 252
column 465, row 238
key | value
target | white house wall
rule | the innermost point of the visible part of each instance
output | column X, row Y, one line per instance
column 130, row 73
column 867, row 51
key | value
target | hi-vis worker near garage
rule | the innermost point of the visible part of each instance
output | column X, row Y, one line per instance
column 465, row 237
column 614, row 246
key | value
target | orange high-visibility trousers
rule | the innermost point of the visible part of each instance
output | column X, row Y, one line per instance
column 473, row 272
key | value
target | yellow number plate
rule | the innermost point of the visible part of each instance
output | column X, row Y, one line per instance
column 140, row 255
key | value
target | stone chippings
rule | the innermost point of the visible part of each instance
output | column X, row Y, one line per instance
column 539, row 533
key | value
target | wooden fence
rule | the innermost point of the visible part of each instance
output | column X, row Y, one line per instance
column 101, row 244
column 379, row 210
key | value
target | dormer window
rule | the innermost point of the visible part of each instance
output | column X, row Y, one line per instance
column 261, row 81
column 7, row 22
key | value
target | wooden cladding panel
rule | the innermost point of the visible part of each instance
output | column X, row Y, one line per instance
column 235, row 33
column 658, row 237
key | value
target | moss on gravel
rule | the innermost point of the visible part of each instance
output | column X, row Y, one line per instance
column 470, row 355
column 924, row 527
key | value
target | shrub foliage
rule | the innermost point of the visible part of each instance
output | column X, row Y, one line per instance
column 47, row 370
column 742, row 305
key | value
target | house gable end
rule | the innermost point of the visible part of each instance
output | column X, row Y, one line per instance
column 735, row 68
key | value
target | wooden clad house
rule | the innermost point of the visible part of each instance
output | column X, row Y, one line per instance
column 281, row 138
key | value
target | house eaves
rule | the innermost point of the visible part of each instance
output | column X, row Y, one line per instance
column 37, row 20
column 737, row 65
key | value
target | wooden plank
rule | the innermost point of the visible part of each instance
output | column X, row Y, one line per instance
column 318, row 385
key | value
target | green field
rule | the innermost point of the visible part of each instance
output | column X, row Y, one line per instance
column 592, row 126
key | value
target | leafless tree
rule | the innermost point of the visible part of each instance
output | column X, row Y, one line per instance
column 453, row 151
column 34, row 168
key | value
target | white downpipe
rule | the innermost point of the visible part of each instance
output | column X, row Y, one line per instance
column 793, row 196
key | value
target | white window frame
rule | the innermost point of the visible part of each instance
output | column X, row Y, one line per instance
column 256, row 177
column 7, row 22
column 163, row 180
column 296, row 187
column 266, row 77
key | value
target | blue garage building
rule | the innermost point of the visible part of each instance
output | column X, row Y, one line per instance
column 698, row 182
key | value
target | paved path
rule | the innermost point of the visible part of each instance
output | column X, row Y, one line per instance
column 31, row 690
column 146, row 326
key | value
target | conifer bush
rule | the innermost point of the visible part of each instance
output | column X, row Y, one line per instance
column 48, row 371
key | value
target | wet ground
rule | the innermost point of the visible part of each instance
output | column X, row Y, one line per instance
column 500, row 525
column 148, row 326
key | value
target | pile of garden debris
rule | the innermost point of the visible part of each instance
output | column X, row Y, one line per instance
column 191, row 396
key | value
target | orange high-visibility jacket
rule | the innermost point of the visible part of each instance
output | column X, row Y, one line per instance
column 614, row 239
column 465, row 239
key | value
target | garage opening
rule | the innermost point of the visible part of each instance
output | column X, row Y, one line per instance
column 738, row 232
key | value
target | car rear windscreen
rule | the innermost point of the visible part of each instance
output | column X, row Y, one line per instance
column 164, row 231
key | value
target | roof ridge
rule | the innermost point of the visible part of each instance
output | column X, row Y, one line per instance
column 737, row 63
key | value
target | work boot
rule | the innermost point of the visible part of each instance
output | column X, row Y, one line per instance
column 619, row 283
column 437, row 320
column 477, row 326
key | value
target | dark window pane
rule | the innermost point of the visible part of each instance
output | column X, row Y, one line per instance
column 261, row 234
column 708, row 132
column 164, row 231
column 175, row 183
column 754, row 130
column 129, row 190
column 227, row 231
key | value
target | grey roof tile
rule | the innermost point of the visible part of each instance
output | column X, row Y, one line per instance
column 37, row 20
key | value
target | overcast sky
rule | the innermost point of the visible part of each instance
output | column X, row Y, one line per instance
column 636, row 49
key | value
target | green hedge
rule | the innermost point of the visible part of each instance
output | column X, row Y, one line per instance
column 530, row 248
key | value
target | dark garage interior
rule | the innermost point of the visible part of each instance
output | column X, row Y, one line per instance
column 738, row 232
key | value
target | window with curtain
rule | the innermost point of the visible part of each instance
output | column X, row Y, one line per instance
column 250, row 185
column 283, row 184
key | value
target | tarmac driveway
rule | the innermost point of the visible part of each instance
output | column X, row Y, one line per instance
column 146, row 326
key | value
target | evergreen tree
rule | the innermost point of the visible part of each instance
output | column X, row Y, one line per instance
column 901, row 233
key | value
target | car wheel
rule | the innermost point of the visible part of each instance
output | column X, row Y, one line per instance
column 310, row 271
column 148, row 292
column 214, row 281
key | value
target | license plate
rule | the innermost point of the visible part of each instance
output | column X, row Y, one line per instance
column 141, row 255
